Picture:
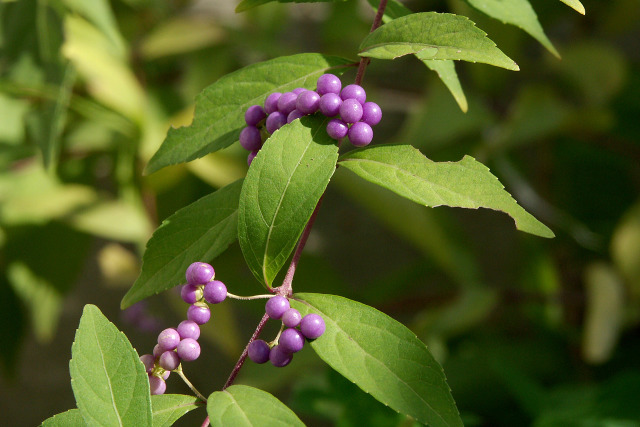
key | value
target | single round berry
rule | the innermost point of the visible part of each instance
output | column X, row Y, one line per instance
column 276, row 307
column 250, row 138
column 258, row 351
column 169, row 360
column 199, row 314
column 291, row 340
column 188, row 349
column 157, row 385
column 371, row 113
column 254, row 115
column 199, row 273
column 149, row 362
column 350, row 110
column 215, row 292
column 291, row 318
column 308, row 102
column 312, row 326
column 271, row 103
column 330, row 104
column 279, row 358
column 360, row 134
column 188, row 329
column 252, row 155
column 294, row 115
column 328, row 83
column 354, row 92
column 337, row 129
column 190, row 293
column 168, row 339
column 157, row 351
column 287, row 103
column 275, row 121
column 299, row 90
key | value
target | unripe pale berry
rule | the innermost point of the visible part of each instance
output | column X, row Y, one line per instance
column 168, row 339
column 291, row 318
column 250, row 138
column 291, row 340
column 199, row 314
column 188, row 329
column 279, row 358
column 312, row 326
column 350, row 110
column 360, row 134
column 276, row 307
column 190, row 293
column 337, row 129
column 328, row 83
column 271, row 103
column 330, row 104
column 199, row 273
column 188, row 349
column 254, row 115
column 214, row 292
column 258, row 351
column 169, row 360
column 354, row 91
column 157, row 385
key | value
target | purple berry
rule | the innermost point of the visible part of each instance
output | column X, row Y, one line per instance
column 168, row 339
column 294, row 115
column 330, row 104
column 215, row 292
column 252, row 155
column 299, row 90
column 329, row 83
column 258, row 351
column 337, row 129
column 354, row 92
column 371, row 113
column 254, row 115
column 279, row 358
column 190, row 293
column 291, row 318
column 360, row 134
column 157, row 351
column 199, row 314
column 149, row 362
column 275, row 121
column 199, row 273
column 291, row 340
column 169, row 360
column 350, row 110
column 287, row 103
column 276, row 307
column 308, row 102
column 188, row 349
column 157, row 385
column 165, row 375
column 271, row 103
column 250, row 138
column 312, row 326
column 188, row 329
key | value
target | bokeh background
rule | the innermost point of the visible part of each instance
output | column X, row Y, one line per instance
column 530, row 331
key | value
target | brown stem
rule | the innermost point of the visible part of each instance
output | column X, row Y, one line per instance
column 243, row 356
column 377, row 21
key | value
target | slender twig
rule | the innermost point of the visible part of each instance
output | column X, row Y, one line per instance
column 188, row 383
column 377, row 21
column 243, row 356
column 264, row 296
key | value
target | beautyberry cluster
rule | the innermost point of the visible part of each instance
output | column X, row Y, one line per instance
column 291, row 339
column 351, row 115
column 176, row 345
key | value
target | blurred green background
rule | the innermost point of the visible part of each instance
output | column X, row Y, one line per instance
column 529, row 331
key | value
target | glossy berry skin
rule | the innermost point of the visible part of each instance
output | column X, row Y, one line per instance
column 199, row 273
column 215, row 292
column 188, row 329
column 149, row 362
column 328, row 83
column 275, row 121
column 360, row 134
column 169, row 360
column 157, row 385
column 294, row 115
column 279, row 358
column 188, row 350
column 165, row 375
column 168, row 339
column 291, row 340
column 351, row 110
column 271, row 103
column 291, row 318
column 190, row 293
column 252, row 155
column 371, row 113
column 250, row 138
column 276, row 307
column 287, row 103
column 157, row 351
column 299, row 90
column 312, row 326
column 199, row 314
column 258, row 351
column 337, row 129
column 330, row 104
column 354, row 92
column 254, row 115
column 308, row 102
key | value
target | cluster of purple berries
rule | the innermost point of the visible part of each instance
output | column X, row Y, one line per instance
column 292, row 339
column 351, row 115
column 181, row 344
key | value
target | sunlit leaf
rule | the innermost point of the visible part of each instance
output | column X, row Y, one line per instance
column 575, row 5
column 70, row 418
column 168, row 408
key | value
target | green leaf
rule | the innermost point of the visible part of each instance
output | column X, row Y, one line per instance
column 198, row 232
column 447, row 72
column 518, row 13
column 432, row 35
column 70, row 418
column 168, row 408
column 220, row 108
column 100, row 14
column 250, row 4
column 281, row 190
column 575, row 5
column 382, row 357
column 466, row 184
column 107, row 377
column 241, row 405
